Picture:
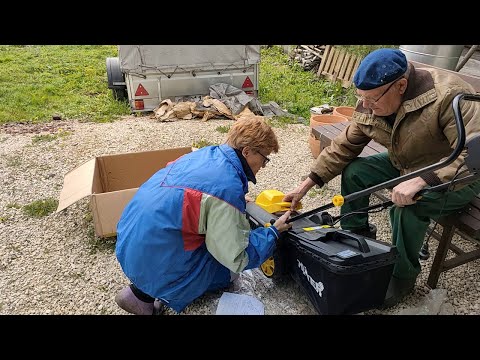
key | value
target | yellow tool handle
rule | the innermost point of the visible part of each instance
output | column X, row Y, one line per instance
column 338, row 200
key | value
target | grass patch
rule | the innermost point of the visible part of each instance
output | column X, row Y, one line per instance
column 315, row 191
column 281, row 121
column 95, row 243
column 202, row 143
column 40, row 208
column 14, row 160
column 14, row 206
column 284, row 81
column 363, row 50
column 43, row 138
column 223, row 129
column 39, row 81
column 4, row 218
column 50, row 137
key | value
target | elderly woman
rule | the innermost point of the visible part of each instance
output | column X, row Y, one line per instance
column 185, row 231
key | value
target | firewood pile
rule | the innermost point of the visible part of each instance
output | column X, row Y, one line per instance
column 309, row 56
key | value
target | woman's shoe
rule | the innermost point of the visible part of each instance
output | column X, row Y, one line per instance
column 127, row 300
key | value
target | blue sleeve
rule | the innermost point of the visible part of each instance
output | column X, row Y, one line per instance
column 262, row 243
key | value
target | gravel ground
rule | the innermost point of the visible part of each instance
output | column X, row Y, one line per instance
column 55, row 265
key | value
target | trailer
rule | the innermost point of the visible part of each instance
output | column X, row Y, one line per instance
column 145, row 75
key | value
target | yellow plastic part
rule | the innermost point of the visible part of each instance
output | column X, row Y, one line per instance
column 313, row 228
column 338, row 200
column 268, row 267
column 271, row 201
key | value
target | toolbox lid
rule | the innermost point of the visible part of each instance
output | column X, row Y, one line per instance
column 343, row 251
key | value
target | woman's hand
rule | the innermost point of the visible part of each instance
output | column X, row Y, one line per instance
column 280, row 224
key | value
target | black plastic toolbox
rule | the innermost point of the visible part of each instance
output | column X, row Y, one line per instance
column 341, row 272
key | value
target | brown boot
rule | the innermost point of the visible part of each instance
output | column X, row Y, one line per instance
column 127, row 300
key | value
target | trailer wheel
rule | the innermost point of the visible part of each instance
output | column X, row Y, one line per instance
column 116, row 79
column 120, row 94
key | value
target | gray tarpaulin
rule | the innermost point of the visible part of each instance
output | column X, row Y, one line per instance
column 167, row 58
column 236, row 100
column 224, row 100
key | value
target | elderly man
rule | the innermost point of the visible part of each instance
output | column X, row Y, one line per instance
column 409, row 111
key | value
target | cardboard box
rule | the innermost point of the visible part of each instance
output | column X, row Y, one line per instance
column 111, row 181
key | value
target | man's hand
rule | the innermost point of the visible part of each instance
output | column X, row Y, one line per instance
column 296, row 195
column 403, row 193
column 293, row 197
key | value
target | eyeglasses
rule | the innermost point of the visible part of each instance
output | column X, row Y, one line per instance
column 361, row 98
column 266, row 160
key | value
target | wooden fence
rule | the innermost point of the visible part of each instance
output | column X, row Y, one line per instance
column 339, row 65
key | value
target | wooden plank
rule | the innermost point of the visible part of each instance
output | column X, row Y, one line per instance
column 473, row 211
column 476, row 202
column 467, row 224
column 318, row 131
column 333, row 130
column 338, row 63
column 326, row 54
column 341, row 125
column 351, row 63
column 461, row 259
column 329, row 61
column 326, row 133
column 343, row 67
column 331, row 70
column 348, row 72
column 372, row 144
column 355, row 67
column 312, row 51
column 325, row 141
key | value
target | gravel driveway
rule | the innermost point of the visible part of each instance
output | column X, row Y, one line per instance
column 55, row 265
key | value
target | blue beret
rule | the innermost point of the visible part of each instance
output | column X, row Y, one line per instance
column 379, row 68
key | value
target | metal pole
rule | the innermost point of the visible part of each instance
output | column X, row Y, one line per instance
column 467, row 56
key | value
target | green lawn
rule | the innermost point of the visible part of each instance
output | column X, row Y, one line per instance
column 284, row 81
column 37, row 82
